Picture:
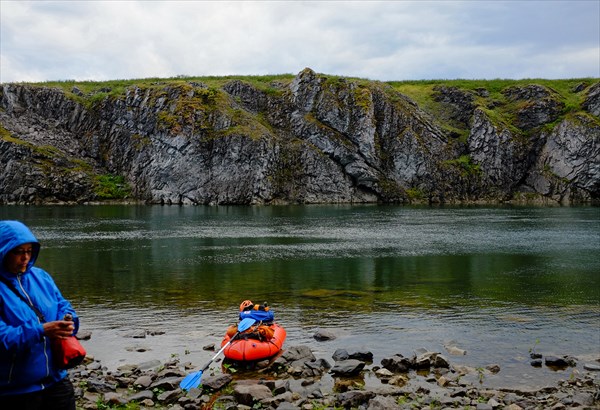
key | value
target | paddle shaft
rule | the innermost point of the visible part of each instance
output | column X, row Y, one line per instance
column 219, row 352
column 244, row 325
column 193, row 379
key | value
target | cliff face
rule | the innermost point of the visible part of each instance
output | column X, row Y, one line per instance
column 308, row 139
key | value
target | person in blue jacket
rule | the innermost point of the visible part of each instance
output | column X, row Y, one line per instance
column 28, row 377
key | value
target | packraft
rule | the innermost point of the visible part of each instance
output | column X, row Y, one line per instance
column 262, row 340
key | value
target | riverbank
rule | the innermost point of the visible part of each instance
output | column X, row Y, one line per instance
column 295, row 380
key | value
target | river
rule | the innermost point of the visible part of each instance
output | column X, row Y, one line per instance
column 497, row 282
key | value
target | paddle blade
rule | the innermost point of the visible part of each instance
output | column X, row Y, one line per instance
column 245, row 324
column 191, row 381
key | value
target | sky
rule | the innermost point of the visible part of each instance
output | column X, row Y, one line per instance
column 377, row 40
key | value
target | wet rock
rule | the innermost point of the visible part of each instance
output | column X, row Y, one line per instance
column 347, row 368
column 397, row 363
column 536, row 363
column 340, row 354
column 319, row 366
column 137, row 334
column 592, row 367
column 384, row 374
column 84, row 335
column 555, row 361
column 324, row 335
column 364, row 356
column 453, row 349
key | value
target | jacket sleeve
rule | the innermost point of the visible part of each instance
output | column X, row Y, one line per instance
column 14, row 339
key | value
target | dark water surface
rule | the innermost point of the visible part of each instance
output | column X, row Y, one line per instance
column 495, row 281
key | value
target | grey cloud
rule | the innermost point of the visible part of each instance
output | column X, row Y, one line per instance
column 384, row 40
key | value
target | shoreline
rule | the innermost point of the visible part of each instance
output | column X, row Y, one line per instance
column 296, row 379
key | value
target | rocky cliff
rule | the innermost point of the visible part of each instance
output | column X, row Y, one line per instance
column 308, row 138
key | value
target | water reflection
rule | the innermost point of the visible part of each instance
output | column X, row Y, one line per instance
column 496, row 279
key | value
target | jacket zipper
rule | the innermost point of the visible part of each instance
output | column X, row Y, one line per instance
column 12, row 367
column 40, row 322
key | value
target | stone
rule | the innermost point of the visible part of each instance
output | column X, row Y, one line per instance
column 345, row 368
column 493, row 368
column 556, row 361
column 353, row 399
column 83, row 335
column 591, row 367
column 143, row 381
column 442, row 381
column 324, row 335
column 383, row 403
column 169, row 383
column 216, row 382
column 142, row 395
column 100, row 386
column 536, row 363
column 149, row 365
column 396, row 363
column 249, row 394
column 364, row 356
column 169, row 396
column 340, row 354
column 137, row 334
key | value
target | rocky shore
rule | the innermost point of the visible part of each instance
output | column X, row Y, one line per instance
column 294, row 380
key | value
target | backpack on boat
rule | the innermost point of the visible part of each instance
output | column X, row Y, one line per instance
column 260, row 313
column 264, row 318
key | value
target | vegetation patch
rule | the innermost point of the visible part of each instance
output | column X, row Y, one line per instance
column 4, row 133
column 465, row 165
column 111, row 187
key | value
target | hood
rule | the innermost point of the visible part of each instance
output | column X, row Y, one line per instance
column 13, row 234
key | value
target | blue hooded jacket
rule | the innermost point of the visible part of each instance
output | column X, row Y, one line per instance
column 26, row 362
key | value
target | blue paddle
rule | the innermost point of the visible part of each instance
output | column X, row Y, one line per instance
column 192, row 380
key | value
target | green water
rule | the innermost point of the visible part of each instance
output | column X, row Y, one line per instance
column 496, row 281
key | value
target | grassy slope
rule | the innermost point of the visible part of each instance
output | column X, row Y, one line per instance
column 419, row 91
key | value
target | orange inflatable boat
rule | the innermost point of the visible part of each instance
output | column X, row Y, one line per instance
column 249, row 349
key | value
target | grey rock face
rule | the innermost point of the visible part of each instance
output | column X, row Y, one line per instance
column 314, row 139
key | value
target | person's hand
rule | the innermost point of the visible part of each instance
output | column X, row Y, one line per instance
column 59, row 329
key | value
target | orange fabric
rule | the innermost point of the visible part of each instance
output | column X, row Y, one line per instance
column 231, row 330
column 262, row 332
column 265, row 332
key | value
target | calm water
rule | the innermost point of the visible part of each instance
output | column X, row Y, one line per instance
column 497, row 282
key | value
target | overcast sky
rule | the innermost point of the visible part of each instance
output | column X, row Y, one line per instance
column 377, row 40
